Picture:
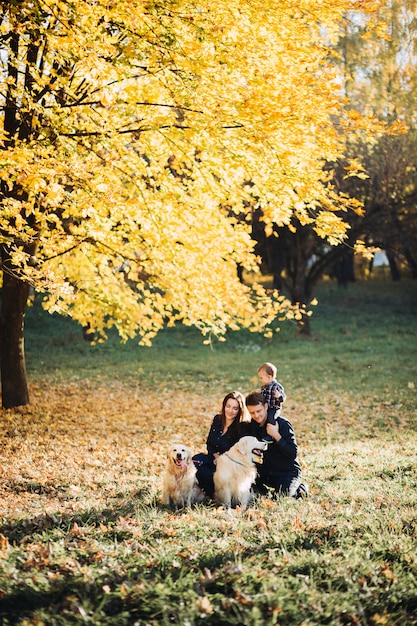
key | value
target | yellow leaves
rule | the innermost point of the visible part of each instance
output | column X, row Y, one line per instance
column 377, row 27
column 4, row 135
column 99, row 187
column 372, row 127
column 298, row 524
column 204, row 606
column 54, row 194
column 397, row 128
column 267, row 503
column 4, row 543
column 95, row 449
column 147, row 143
column 355, row 169
column 387, row 572
column 380, row 620
column 368, row 252
column 331, row 227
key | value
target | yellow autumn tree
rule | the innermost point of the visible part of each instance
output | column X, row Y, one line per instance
column 135, row 135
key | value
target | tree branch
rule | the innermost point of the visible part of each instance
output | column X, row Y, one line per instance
column 97, row 133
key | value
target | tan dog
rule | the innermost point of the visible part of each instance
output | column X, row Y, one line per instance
column 235, row 472
column 180, row 487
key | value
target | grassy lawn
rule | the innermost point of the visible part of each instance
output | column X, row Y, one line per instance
column 84, row 539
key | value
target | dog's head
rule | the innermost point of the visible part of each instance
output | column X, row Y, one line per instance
column 179, row 455
column 251, row 446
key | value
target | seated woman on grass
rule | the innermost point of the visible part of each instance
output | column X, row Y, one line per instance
column 225, row 431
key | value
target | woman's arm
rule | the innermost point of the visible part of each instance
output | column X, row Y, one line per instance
column 214, row 435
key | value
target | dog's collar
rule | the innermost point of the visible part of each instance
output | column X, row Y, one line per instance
column 234, row 460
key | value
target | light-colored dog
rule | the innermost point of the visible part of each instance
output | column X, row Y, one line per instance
column 180, row 487
column 235, row 472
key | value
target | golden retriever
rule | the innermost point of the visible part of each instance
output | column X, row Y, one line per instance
column 180, row 487
column 235, row 472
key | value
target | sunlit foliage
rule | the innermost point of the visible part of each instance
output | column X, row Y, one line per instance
column 135, row 134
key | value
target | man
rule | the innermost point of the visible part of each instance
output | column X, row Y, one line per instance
column 280, row 469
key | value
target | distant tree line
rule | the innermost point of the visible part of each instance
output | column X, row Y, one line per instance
column 380, row 79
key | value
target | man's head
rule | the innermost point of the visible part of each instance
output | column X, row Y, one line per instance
column 257, row 407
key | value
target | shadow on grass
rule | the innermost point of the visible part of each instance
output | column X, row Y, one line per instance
column 151, row 595
column 137, row 593
column 213, row 588
column 137, row 589
column 22, row 531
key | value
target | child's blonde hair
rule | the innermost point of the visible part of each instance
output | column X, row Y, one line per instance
column 269, row 368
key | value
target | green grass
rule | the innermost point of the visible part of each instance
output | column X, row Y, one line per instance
column 344, row 557
column 364, row 336
column 362, row 352
column 84, row 540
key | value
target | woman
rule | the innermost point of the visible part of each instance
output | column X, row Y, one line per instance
column 225, row 431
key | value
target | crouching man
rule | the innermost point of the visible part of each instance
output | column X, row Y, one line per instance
column 280, row 469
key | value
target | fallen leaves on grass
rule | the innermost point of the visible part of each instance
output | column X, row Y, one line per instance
column 82, row 442
column 81, row 470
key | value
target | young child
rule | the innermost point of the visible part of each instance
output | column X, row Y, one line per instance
column 273, row 392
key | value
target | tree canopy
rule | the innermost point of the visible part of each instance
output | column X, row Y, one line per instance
column 129, row 132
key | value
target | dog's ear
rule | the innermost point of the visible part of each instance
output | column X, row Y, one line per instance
column 241, row 446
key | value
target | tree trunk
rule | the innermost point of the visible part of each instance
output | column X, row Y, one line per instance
column 395, row 272
column 406, row 248
column 344, row 269
column 12, row 353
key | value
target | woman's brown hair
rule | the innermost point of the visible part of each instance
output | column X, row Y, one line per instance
column 235, row 427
